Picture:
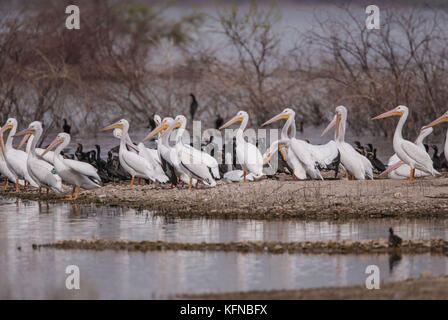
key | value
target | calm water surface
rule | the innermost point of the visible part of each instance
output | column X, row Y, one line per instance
column 28, row 273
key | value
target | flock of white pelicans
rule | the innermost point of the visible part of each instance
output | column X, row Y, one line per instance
column 45, row 168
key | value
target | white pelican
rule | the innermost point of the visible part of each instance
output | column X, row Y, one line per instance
column 195, row 163
column 150, row 155
column 134, row 164
column 4, row 169
column 441, row 119
column 407, row 151
column 397, row 169
column 168, row 154
column 247, row 154
column 354, row 163
column 301, row 155
column 234, row 175
column 76, row 173
column 40, row 170
column 16, row 159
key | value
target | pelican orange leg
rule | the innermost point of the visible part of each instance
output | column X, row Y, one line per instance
column 412, row 177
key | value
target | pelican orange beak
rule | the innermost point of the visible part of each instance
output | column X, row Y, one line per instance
column 52, row 145
column 231, row 121
column 24, row 140
column 392, row 167
column 131, row 146
column 162, row 126
column 113, row 126
column 24, row 132
column 335, row 122
column 390, row 113
column 441, row 119
column 5, row 127
column 2, row 142
column 2, row 146
column 176, row 124
column 280, row 116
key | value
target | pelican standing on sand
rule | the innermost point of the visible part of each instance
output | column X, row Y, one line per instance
column 302, row 155
column 247, row 154
column 76, row 173
column 355, row 164
column 397, row 169
column 134, row 164
column 169, row 156
column 16, row 159
column 407, row 151
column 40, row 170
column 195, row 163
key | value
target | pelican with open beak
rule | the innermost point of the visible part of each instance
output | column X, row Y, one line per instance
column 75, row 173
column 355, row 164
column 407, row 151
column 247, row 154
column 16, row 160
column 134, row 164
column 40, row 171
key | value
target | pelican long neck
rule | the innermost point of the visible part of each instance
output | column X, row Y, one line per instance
column 10, row 137
column 240, row 130
column 342, row 127
column 289, row 123
column 28, row 144
column 37, row 135
column 59, row 148
column 124, row 137
column 398, row 135
column 180, row 133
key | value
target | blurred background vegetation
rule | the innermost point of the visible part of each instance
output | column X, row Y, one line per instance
column 133, row 59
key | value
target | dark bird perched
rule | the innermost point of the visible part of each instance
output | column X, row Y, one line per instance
column 437, row 161
column 444, row 162
column 152, row 124
column 394, row 240
column 378, row 166
column 92, row 158
column 66, row 127
column 334, row 165
column 360, row 148
column 219, row 122
column 301, row 126
column 80, row 155
column 193, row 106
column 100, row 162
column 113, row 168
column 101, row 165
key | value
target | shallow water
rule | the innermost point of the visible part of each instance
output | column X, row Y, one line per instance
column 35, row 274
column 53, row 222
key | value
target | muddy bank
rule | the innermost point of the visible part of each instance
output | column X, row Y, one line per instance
column 326, row 247
column 426, row 287
column 277, row 199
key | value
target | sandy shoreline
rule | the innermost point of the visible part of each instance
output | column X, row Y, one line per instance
column 276, row 199
column 426, row 287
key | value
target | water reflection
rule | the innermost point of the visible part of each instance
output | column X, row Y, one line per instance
column 110, row 275
column 43, row 222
